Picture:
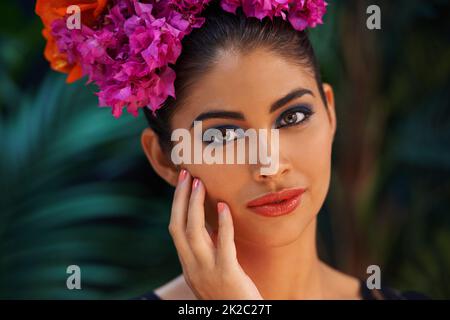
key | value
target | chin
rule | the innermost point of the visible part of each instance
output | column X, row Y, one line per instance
column 273, row 232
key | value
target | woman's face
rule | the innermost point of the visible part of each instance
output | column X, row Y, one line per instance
column 249, row 85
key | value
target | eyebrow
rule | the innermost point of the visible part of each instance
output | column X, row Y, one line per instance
column 294, row 94
column 224, row 114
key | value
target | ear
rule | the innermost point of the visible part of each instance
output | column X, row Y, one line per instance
column 331, row 111
column 158, row 159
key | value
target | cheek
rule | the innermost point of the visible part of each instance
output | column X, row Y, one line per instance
column 311, row 158
column 221, row 183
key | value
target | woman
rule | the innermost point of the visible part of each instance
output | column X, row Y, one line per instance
column 240, row 232
column 233, row 69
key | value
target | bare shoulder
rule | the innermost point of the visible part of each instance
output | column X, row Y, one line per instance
column 176, row 289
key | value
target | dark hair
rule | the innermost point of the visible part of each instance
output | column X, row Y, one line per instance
column 223, row 30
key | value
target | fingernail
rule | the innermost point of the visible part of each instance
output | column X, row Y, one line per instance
column 220, row 207
column 182, row 176
column 196, row 183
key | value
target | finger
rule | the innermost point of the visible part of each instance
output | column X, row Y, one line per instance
column 177, row 224
column 196, row 232
column 226, row 249
column 213, row 237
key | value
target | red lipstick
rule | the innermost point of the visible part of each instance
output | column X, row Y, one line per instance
column 277, row 203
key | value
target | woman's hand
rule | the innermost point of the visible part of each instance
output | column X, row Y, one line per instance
column 210, row 268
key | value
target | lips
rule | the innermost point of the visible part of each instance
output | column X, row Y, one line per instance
column 276, row 204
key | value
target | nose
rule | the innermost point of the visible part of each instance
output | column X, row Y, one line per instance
column 282, row 171
column 272, row 163
column 265, row 176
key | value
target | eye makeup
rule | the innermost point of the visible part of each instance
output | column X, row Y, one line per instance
column 296, row 115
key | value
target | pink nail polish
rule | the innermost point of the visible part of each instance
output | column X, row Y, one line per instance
column 196, row 183
column 220, row 207
column 182, row 175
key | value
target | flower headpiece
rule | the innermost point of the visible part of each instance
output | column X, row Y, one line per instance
column 126, row 46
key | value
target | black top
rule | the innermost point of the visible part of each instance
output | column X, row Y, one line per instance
column 385, row 293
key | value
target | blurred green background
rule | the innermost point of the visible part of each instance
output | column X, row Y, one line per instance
column 76, row 188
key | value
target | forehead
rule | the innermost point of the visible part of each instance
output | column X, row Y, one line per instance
column 245, row 83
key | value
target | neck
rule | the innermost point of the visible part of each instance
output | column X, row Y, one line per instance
column 292, row 271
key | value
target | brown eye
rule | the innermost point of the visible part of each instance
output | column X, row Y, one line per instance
column 294, row 116
column 291, row 118
column 223, row 135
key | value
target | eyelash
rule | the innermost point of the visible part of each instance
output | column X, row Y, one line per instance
column 223, row 129
column 305, row 110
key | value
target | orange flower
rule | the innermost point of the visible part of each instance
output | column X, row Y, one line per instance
column 50, row 10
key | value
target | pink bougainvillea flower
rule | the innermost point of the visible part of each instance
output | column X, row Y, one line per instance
column 128, row 57
column 307, row 13
column 127, row 49
column 49, row 11
column 300, row 13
